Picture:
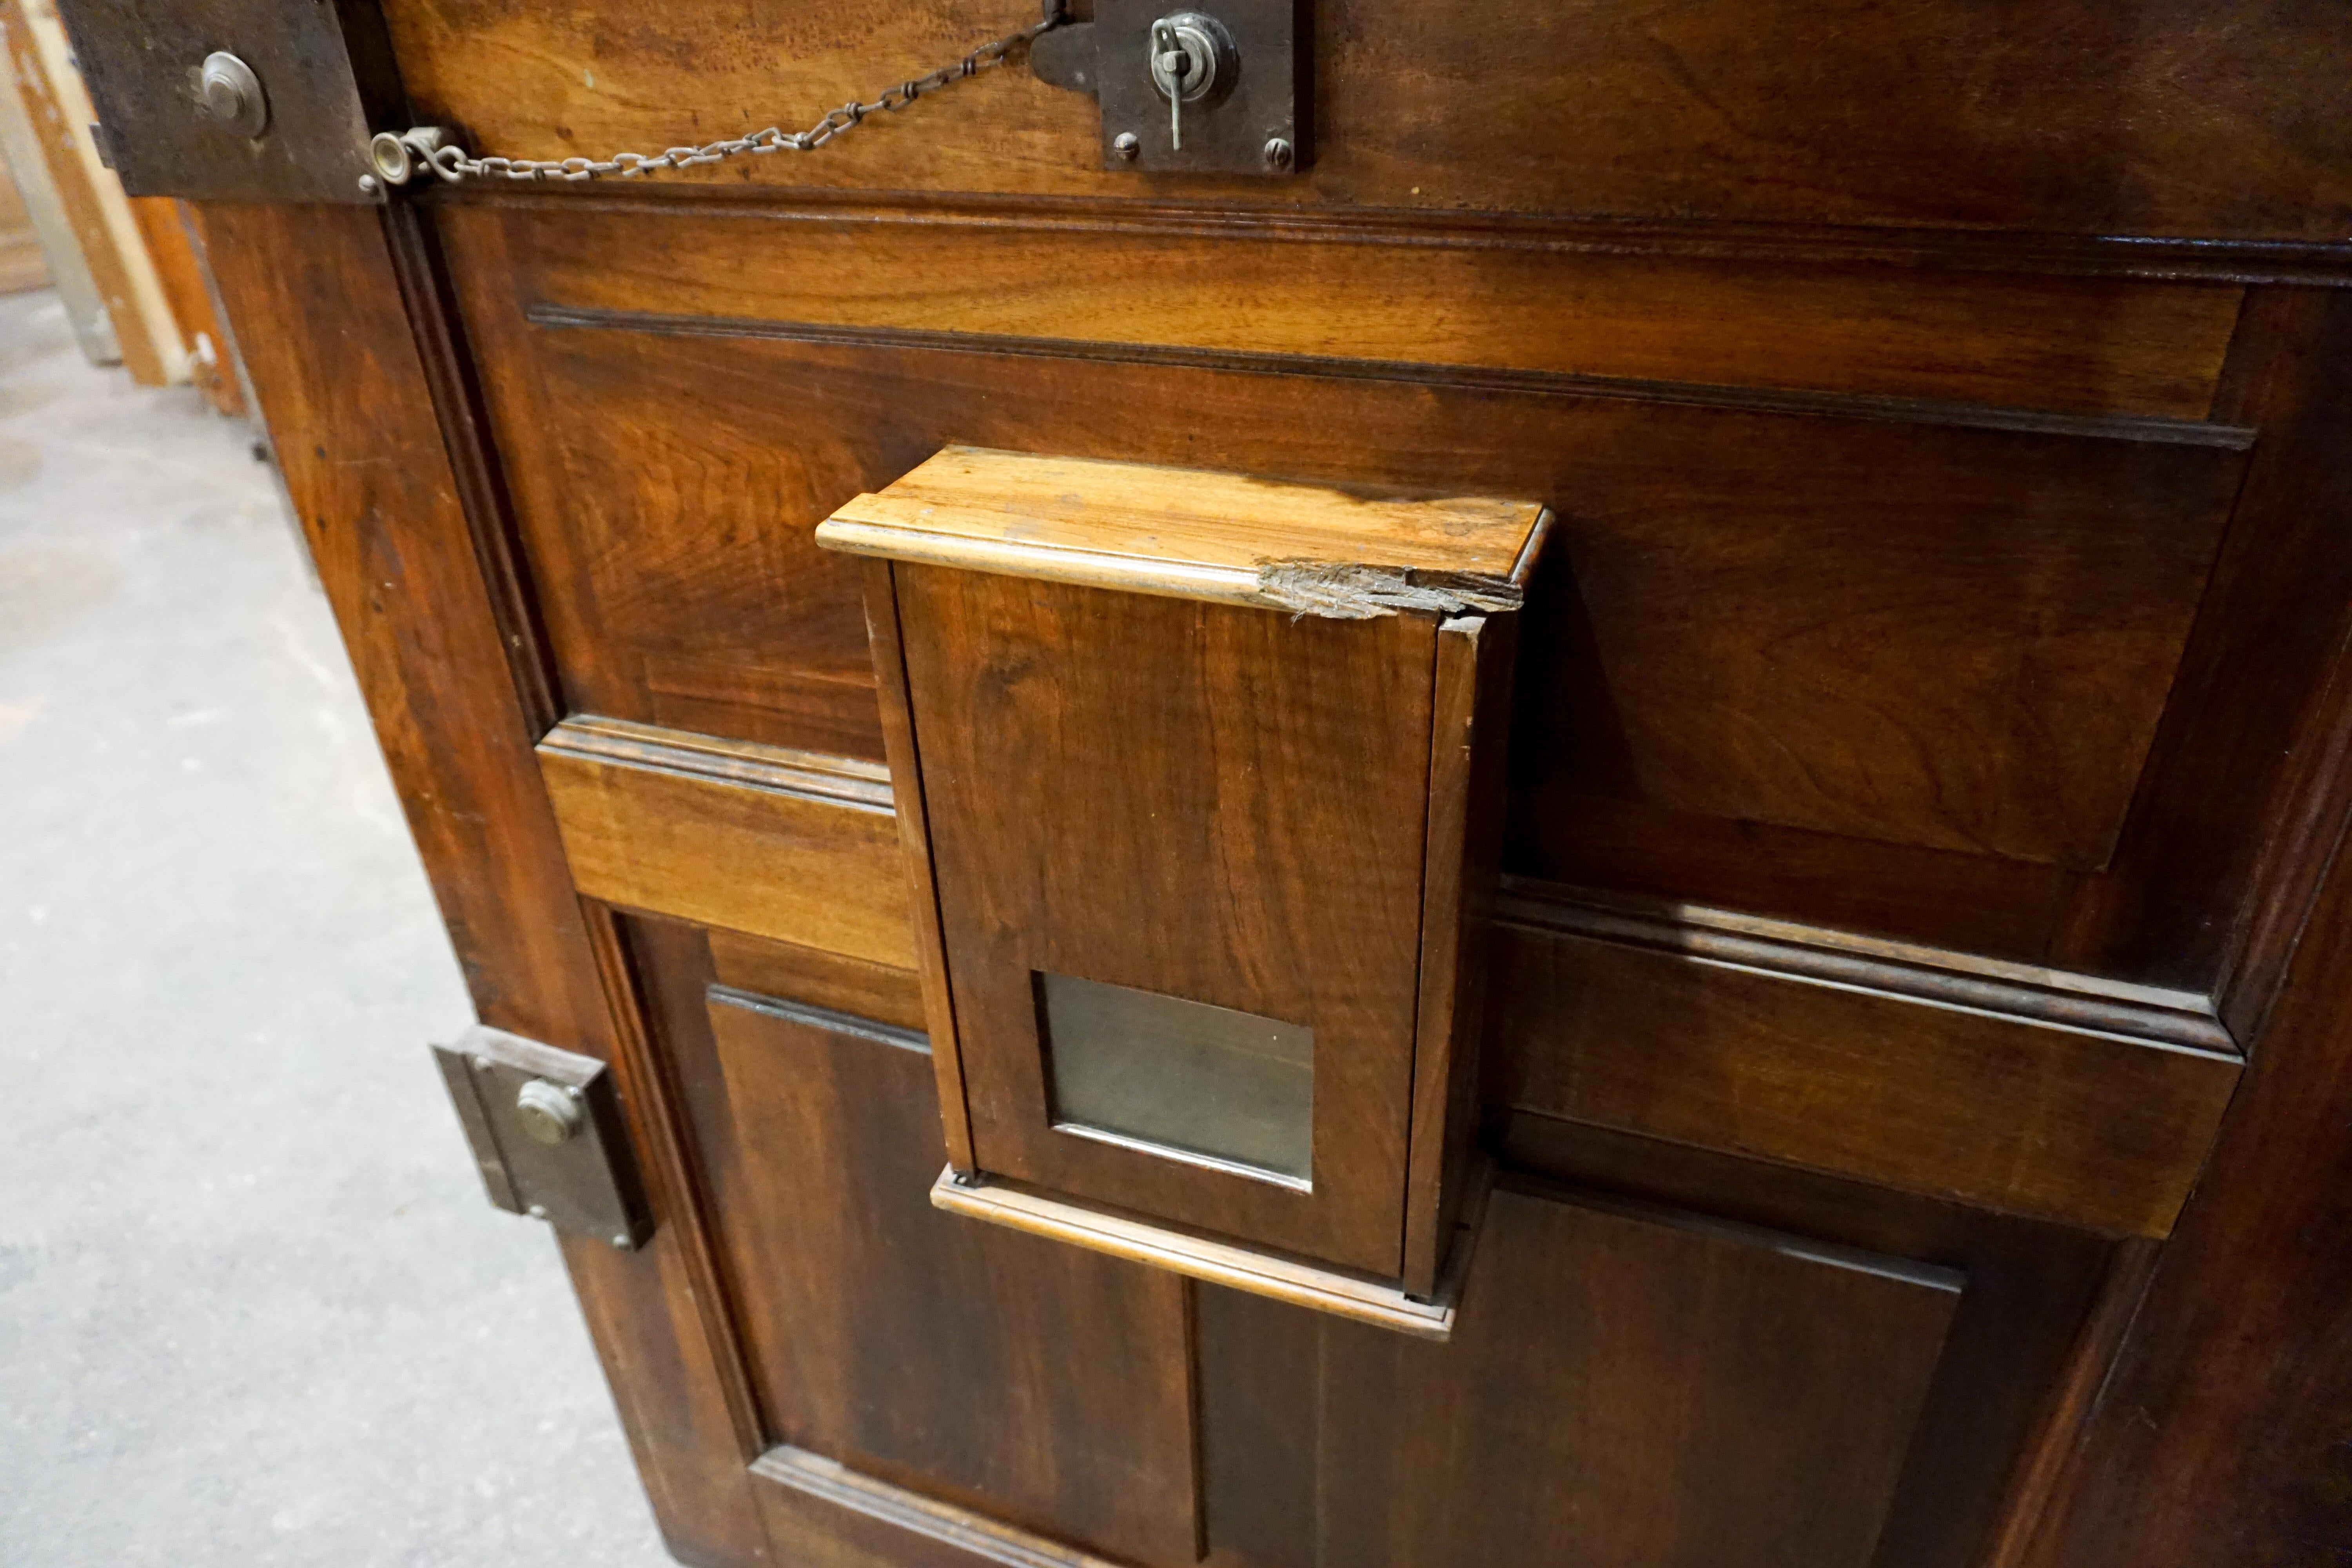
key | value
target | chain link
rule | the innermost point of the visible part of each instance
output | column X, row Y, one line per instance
column 395, row 156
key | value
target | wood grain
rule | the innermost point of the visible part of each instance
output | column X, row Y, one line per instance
column 1238, row 803
column 1043, row 1385
column 1196, row 533
column 125, row 283
column 164, row 224
column 823, row 1515
column 1975, row 630
column 791, row 847
column 368, row 471
column 858, row 986
column 1496, row 298
column 2220, row 1435
column 888, row 639
column 1621, row 1023
column 1469, row 745
column 1635, row 1433
column 2188, row 117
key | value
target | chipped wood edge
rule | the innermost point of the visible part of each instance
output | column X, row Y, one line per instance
column 1282, row 1279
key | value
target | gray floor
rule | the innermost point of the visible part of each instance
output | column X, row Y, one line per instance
column 253, row 1309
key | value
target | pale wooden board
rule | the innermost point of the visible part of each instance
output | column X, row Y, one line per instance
column 1189, row 533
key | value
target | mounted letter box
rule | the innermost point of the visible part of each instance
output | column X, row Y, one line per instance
column 1199, row 777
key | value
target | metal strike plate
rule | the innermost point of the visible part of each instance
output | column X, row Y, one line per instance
column 546, row 1132
column 323, row 69
column 1246, row 121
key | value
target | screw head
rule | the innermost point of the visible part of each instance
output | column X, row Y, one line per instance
column 368, row 185
column 1280, row 154
column 1127, row 144
column 538, row 1211
column 620, row 1242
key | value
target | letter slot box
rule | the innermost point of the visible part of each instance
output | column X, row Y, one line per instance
column 1199, row 776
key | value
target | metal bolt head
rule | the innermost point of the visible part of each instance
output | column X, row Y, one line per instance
column 369, row 185
column 391, row 157
column 1127, row 144
column 1280, row 154
column 232, row 94
column 538, row 1211
column 620, row 1242
column 547, row 1113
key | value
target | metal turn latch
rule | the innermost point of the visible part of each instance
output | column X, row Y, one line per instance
column 1198, row 93
column 547, row 1134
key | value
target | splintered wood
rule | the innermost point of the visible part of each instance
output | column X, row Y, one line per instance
column 1199, row 534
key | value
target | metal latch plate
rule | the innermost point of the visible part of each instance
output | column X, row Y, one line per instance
column 324, row 68
column 547, row 1133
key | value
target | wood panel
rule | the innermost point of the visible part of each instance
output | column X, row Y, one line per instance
column 1423, row 296
column 2189, row 117
column 882, row 992
column 795, row 847
column 1805, row 650
column 1939, row 792
column 2017, row 1341
column 2220, row 1436
column 1228, row 823
column 823, row 1515
column 1608, row 1383
column 2095, row 1110
column 368, row 470
column 1042, row 1385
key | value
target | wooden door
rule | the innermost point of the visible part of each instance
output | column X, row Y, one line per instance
column 1927, row 745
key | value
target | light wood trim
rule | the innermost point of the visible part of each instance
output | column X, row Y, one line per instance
column 1196, row 533
column 787, row 1478
column 111, row 245
column 786, row 845
column 1123, row 1235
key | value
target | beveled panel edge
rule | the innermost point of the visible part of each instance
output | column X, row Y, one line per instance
column 2052, row 998
column 2146, row 428
column 1932, row 1277
column 851, row 781
column 983, row 1539
column 1139, row 1239
column 810, row 1016
column 2153, row 258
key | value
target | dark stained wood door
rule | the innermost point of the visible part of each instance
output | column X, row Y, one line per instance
column 1928, row 739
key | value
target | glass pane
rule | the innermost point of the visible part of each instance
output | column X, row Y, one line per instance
column 1218, row 1087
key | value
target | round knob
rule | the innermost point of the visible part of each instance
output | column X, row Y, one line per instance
column 233, row 94
column 550, row 1113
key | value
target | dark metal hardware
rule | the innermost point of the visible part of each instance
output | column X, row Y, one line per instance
column 1188, row 91
column 238, row 99
column 547, row 1134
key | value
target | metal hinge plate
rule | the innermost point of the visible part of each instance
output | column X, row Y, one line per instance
column 547, row 1134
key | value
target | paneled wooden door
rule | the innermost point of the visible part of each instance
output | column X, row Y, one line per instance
column 1925, row 748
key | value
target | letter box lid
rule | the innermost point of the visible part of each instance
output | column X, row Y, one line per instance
column 1197, row 533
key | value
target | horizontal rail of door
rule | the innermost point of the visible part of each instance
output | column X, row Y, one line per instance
column 2052, row 1096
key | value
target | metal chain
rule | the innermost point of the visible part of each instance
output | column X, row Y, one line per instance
column 397, row 156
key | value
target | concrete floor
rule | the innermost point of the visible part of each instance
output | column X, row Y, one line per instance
column 253, row 1308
